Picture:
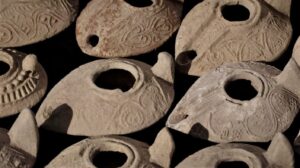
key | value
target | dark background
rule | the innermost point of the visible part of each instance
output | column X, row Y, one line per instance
column 60, row 55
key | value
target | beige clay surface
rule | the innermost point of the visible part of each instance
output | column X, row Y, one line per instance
column 117, row 28
column 217, row 107
column 279, row 155
column 209, row 37
column 139, row 155
column 77, row 105
column 19, row 145
column 25, row 22
column 23, row 83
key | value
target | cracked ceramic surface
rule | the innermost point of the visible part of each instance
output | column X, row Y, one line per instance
column 139, row 154
column 19, row 145
column 120, row 28
column 218, row 107
column 25, row 22
column 78, row 105
column 251, row 155
column 213, row 34
column 22, row 84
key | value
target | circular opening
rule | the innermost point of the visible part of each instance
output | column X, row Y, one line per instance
column 93, row 40
column 4, row 68
column 234, row 164
column 235, row 13
column 186, row 57
column 109, row 159
column 240, row 89
column 139, row 3
column 115, row 79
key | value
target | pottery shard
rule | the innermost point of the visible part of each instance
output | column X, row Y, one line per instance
column 252, row 156
column 25, row 22
column 240, row 102
column 19, row 145
column 113, row 96
column 23, row 81
column 84, row 153
column 120, row 28
column 228, row 31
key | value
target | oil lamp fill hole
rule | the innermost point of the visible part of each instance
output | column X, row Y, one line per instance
column 4, row 68
column 235, row 13
column 109, row 159
column 233, row 164
column 240, row 89
column 139, row 3
column 115, row 79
